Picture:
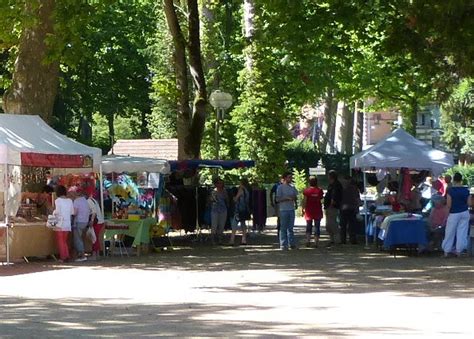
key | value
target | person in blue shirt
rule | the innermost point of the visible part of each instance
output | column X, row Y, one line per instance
column 458, row 200
column 286, row 196
column 219, row 206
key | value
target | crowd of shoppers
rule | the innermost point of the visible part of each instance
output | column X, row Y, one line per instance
column 75, row 212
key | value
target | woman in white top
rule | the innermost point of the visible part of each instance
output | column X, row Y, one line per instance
column 64, row 210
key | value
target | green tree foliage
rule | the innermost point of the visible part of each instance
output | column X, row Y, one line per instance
column 118, row 63
column 261, row 125
column 458, row 119
column 112, row 76
column 301, row 154
column 162, row 120
column 436, row 33
column 467, row 172
column 223, row 44
column 301, row 181
column 126, row 128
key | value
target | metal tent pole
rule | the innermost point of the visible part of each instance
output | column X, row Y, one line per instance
column 5, row 209
column 366, row 212
column 101, row 188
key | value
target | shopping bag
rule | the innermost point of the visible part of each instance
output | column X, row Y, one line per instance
column 234, row 221
column 90, row 233
column 54, row 222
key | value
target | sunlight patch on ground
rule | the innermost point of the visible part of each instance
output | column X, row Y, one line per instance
column 265, row 301
column 71, row 325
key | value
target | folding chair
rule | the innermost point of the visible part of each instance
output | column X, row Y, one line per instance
column 159, row 232
column 118, row 240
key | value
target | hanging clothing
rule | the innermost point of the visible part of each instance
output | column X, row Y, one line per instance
column 259, row 208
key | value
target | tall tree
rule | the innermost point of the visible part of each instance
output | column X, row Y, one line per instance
column 112, row 76
column 259, row 117
column 458, row 120
column 35, row 77
column 190, row 124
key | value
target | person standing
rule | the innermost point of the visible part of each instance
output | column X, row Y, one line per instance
column 448, row 181
column 242, row 211
column 437, row 220
column 440, row 186
column 312, row 210
column 81, row 221
column 286, row 195
column 274, row 204
column 349, row 209
column 332, row 204
column 64, row 210
column 219, row 204
column 458, row 200
column 96, row 221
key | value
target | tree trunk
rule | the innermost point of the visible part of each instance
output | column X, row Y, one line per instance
column 411, row 117
column 144, row 132
column 347, row 128
column 329, row 125
column 358, row 126
column 35, row 79
column 193, row 141
column 110, row 123
column 249, row 30
column 190, row 125
column 211, row 64
column 180, row 68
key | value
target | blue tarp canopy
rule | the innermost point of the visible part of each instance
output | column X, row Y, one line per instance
column 222, row 164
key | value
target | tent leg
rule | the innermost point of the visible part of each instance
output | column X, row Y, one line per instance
column 5, row 209
column 196, row 196
column 101, row 188
column 366, row 212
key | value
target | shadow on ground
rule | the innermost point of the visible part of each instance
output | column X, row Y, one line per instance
column 342, row 269
column 79, row 318
column 309, row 279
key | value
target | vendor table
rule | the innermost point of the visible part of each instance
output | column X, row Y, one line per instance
column 405, row 232
column 28, row 240
column 138, row 229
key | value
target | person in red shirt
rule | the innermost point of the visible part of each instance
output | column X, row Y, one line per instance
column 440, row 186
column 312, row 210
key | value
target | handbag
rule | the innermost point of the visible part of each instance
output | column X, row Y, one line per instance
column 54, row 222
column 90, row 233
column 234, row 221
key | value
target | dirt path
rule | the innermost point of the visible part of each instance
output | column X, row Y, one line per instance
column 198, row 290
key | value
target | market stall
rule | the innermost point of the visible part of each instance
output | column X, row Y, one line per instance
column 191, row 210
column 30, row 153
column 396, row 151
column 132, row 197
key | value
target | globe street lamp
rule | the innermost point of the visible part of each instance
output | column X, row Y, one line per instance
column 221, row 101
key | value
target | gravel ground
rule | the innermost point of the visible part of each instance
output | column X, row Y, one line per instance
column 257, row 290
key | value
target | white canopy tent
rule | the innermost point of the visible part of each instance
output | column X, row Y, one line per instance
column 26, row 140
column 118, row 163
column 400, row 149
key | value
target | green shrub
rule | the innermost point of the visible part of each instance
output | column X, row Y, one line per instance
column 300, row 181
column 467, row 173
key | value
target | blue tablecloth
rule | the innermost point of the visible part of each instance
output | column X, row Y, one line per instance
column 405, row 232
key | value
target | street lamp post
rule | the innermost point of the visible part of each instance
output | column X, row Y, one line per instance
column 221, row 101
